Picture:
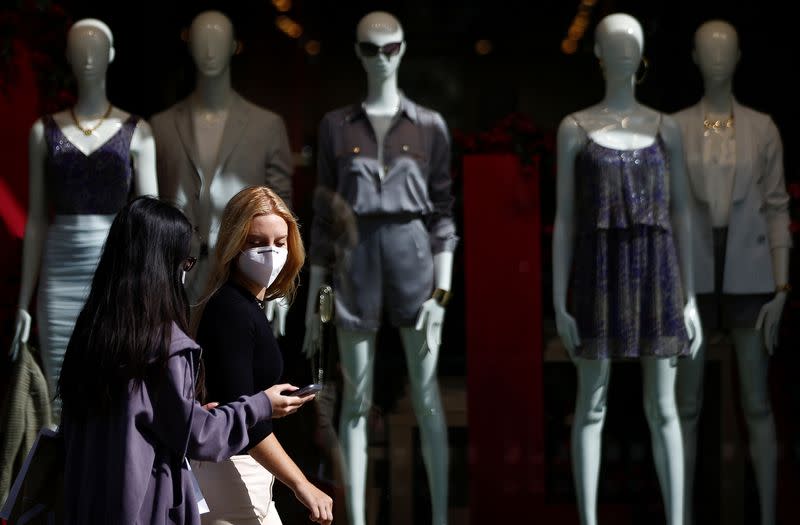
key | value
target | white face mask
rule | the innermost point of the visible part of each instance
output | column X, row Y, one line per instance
column 263, row 263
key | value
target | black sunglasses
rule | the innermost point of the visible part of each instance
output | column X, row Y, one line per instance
column 368, row 49
column 188, row 264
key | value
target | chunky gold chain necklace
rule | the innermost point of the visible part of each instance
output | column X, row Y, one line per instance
column 89, row 131
column 717, row 125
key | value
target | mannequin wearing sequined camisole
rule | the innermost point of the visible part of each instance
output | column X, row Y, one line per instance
column 622, row 204
column 84, row 165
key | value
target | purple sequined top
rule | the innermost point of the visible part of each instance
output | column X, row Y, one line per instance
column 96, row 184
column 622, row 188
column 628, row 297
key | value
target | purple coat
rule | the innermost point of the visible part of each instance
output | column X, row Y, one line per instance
column 129, row 468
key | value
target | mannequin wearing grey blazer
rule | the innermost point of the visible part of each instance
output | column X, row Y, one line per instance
column 759, row 213
column 254, row 151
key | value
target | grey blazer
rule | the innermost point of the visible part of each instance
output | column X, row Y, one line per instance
column 254, row 151
column 759, row 216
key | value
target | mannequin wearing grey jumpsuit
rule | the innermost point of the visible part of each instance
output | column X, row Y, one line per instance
column 382, row 213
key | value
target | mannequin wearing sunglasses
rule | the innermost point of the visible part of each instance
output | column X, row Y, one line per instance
column 215, row 143
column 741, row 249
column 79, row 166
column 383, row 231
column 633, row 297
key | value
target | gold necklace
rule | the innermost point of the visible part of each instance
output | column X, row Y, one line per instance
column 717, row 125
column 89, row 131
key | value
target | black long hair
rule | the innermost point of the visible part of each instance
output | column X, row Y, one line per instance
column 123, row 331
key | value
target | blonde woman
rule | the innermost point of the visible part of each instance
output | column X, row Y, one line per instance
column 258, row 257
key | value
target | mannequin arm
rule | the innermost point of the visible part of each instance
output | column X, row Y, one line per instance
column 681, row 220
column 431, row 313
column 143, row 148
column 280, row 168
column 568, row 141
column 318, row 276
column 35, row 231
column 776, row 212
column 769, row 317
column 276, row 311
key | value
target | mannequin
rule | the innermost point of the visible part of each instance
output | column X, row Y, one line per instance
column 78, row 164
column 383, row 169
column 215, row 143
column 741, row 243
column 632, row 297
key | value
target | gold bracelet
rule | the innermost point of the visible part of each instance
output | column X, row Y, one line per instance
column 784, row 288
column 442, row 297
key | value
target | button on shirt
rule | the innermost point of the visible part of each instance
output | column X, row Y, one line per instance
column 416, row 178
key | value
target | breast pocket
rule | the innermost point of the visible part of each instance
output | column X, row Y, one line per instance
column 408, row 155
column 357, row 181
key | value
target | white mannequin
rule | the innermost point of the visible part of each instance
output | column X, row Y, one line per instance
column 717, row 54
column 89, row 51
column 421, row 343
column 620, row 122
column 213, row 124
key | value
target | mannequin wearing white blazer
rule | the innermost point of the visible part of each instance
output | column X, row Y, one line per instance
column 735, row 164
column 215, row 143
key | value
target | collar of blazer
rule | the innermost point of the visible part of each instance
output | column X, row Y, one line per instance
column 231, row 134
column 693, row 144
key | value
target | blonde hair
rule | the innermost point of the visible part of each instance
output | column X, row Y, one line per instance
column 234, row 227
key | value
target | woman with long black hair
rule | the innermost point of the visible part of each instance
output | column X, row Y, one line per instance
column 128, row 383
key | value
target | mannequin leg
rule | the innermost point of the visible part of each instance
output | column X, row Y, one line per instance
column 357, row 356
column 587, row 430
column 665, row 431
column 430, row 418
column 753, row 362
column 689, row 396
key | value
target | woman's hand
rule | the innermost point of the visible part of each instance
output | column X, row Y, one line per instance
column 284, row 405
column 317, row 502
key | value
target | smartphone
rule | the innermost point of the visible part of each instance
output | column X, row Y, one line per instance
column 313, row 388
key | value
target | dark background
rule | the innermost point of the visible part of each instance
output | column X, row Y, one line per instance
column 526, row 72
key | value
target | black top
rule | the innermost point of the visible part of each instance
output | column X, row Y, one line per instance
column 240, row 352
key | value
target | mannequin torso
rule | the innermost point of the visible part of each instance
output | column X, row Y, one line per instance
column 215, row 143
column 634, row 157
column 83, row 214
column 741, row 245
column 369, row 156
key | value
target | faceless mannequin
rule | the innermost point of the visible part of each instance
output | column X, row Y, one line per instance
column 620, row 127
column 731, row 145
column 421, row 340
column 215, row 143
column 92, row 124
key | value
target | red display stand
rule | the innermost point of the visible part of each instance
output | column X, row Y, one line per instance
column 18, row 110
column 503, row 305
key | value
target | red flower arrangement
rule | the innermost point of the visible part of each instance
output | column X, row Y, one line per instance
column 516, row 133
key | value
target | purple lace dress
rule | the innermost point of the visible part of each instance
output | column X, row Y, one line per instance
column 85, row 193
column 627, row 294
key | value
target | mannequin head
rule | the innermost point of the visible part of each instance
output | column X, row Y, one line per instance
column 619, row 43
column 90, row 48
column 716, row 50
column 211, row 43
column 380, row 30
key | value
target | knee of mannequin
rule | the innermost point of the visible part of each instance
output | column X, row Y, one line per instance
column 689, row 407
column 660, row 411
column 757, row 407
